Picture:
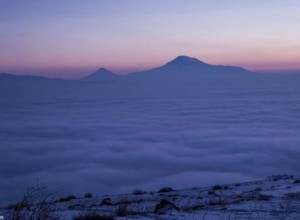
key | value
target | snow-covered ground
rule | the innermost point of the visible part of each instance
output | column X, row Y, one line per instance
column 277, row 197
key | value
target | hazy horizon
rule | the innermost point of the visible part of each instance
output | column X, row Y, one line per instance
column 71, row 38
column 79, row 74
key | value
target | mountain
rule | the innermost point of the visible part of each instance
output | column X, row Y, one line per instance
column 102, row 74
column 13, row 77
column 192, row 68
column 181, row 68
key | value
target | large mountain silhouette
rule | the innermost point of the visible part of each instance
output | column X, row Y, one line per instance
column 181, row 77
column 180, row 68
column 184, row 67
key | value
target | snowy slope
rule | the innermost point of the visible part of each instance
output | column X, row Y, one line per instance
column 277, row 197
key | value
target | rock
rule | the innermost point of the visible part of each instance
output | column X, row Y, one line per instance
column 165, row 190
column 164, row 206
column 106, row 201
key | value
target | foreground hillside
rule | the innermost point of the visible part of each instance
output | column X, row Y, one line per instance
column 277, row 197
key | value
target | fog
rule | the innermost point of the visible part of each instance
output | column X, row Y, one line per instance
column 89, row 137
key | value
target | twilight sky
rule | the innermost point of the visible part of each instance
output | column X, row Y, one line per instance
column 69, row 38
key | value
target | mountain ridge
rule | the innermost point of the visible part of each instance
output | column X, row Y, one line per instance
column 181, row 67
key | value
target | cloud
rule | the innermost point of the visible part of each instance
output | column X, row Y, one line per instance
column 112, row 145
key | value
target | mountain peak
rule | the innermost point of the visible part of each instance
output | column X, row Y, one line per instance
column 185, row 60
column 103, row 70
column 101, row 74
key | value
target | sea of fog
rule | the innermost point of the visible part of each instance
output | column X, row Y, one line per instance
column 106, row 140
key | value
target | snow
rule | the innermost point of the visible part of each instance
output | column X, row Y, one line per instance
column 263, row 199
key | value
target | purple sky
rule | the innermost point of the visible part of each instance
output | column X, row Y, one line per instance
column 69, row 38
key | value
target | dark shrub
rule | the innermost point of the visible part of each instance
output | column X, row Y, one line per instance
column 122, row 210
column 217, row 202
column 165, row 190
column 197, row 207
column 138, row 192
column 297, row 181
column 92, row 216
column 294, row 195
column 258, row 189
column 164, row 205
column 67, row 198
column 263, row 197
column 217, row 187
column 76, row 207
column 211, row 192
column 36, row 203
column 106, row 201
column 88, row 195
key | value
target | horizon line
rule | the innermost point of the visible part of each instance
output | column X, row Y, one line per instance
column 55, row 74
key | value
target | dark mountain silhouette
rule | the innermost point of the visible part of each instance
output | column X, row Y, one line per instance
column 189, row 67
column 13, row 77
column 101, row 74
column 181, row 77
column 182, row 68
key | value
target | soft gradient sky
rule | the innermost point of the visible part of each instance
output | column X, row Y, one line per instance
column 69, row 38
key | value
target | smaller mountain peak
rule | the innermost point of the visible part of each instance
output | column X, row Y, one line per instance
column 101, row 74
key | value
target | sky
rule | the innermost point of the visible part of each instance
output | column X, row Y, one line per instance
column 70, row 38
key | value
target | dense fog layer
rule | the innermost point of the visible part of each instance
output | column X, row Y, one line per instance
column 79, row 137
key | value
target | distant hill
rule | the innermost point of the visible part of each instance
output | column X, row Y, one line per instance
column 14, row 77
column 101, row 74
